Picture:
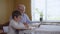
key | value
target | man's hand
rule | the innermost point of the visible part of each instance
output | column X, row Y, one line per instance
column 26, row 25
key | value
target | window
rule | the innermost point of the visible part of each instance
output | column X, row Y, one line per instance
column 49, row 8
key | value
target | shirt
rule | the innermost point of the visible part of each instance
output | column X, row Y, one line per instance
column 14, row 25
column 25, row 19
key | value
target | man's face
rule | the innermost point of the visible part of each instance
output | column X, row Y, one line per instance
column 19, row 18
column 21, row 8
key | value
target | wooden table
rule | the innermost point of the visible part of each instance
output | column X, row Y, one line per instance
column 1, row 32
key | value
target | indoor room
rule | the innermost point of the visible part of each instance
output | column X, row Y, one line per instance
column 29, row 16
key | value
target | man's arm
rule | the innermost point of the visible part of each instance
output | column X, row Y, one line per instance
column 17, row 26
column 27, row 19
column 26, row 25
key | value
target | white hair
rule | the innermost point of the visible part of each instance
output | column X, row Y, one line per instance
column 22, row 5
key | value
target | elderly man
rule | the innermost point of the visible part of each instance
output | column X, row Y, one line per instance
column 25, row 18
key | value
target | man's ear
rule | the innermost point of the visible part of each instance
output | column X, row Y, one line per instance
column 14, row 17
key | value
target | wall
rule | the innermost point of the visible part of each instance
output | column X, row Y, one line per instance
column 6, row 7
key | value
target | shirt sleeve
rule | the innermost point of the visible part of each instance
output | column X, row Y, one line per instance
column 17, row 26
column 27, row 19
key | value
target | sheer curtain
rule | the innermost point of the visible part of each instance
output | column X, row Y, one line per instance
column 53, row 10
column 50, row 9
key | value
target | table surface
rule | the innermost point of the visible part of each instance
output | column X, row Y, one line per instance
column 48, row 28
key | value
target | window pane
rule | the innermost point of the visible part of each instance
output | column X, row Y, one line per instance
column 50, row 9
column 37, row 6
column 53, row 10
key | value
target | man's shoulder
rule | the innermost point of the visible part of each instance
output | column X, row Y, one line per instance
column 11, row 21
column 25, row 14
